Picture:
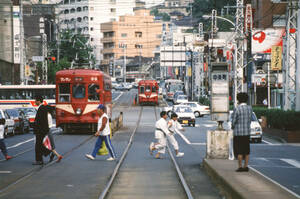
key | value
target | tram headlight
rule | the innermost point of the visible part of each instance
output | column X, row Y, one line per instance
column 78, row 111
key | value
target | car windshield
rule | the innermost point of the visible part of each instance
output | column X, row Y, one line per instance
column 28, row 111
column 183, row 110
column 182, row 97
column 12, row 112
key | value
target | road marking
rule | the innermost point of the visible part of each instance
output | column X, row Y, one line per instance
column 5, row 172
column 295, row 163
column 209, row 125
column 118, row 96
column 19, row 144
column 291, row 192
column 187, row 141
column 267, row 142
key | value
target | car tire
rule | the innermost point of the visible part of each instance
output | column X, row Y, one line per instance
column 194, row 125
column 197, row 114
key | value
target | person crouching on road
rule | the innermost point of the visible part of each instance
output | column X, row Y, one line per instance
column 241, row 121
column 2, row 143
column 103, row 134
column 161, row 130
column 174, row 127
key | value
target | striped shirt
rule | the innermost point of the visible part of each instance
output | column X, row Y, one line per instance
column 241, row 120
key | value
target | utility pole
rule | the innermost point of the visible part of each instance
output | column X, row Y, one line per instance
column 298, row 62
column 239, row 51
column 22, row 49
column 290, row 56
column 124, row 46
column 248, row 30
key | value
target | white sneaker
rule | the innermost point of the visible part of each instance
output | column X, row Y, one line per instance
column 110, row 159
column 150, row 148
column 89, row 156
column 180, row 154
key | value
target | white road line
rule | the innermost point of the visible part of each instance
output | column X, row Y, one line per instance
column 19, row 144
column 283, row 187
column 118, row 96
column 5, row 172
column 295, row 163
column 267, row 142
column 187, row 141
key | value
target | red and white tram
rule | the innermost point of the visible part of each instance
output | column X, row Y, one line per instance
column 148, row 92
column 78, row 94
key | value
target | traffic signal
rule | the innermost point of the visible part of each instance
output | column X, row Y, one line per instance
column 51, row 59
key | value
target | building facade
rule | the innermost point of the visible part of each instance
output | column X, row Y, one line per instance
column 131, row 36
column 85, row 17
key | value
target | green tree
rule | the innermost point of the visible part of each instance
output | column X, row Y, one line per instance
column 74, row 48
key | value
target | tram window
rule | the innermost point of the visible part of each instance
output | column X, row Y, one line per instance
column 92, row 92
column 78, row 91
column 148, row 89
column 153, row 89
column 64, row 93
column 142, row 89
column 107, row 85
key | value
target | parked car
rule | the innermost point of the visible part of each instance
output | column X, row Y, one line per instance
column 256, row 130
column 185, row 114
column 181, row 99
column 30, row 113
column 21, row 121
column 9, row 123
column 198, row 109
column 176, row 94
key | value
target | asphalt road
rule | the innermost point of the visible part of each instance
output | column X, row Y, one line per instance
column 141, row 176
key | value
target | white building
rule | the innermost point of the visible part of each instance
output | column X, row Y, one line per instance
column 85, row 16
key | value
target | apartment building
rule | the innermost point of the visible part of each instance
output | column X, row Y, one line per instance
column 85, row 17
column 133, row 35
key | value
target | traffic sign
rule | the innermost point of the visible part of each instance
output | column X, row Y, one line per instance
column 37, row 58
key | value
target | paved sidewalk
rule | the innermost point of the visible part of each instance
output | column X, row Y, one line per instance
column 244, row 185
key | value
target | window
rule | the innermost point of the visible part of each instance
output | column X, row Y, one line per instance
column 64, row 92
column 138, row 46
column 138, row 34
column 85, row 18
column 124, row 35
column 72, row 20
column 66, row 11
column 72, row 1
column 73, row 10
column 142, row 89
column 78, row 0
column 79, row 30
column 158, row 36
column 92, row 29
column 85, row 8
column 92, row 18
column 79, row 19
column 92, row 39
column 66, row 1
column 66, row 21
column 148, row 89
column 153, row 89
column 113, row 10
column 93, row 92
column 78, row 91
column 107, row 84
column 91, row 8
column 78, row 9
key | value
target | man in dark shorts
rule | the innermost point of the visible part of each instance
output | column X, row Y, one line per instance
column 241, row 120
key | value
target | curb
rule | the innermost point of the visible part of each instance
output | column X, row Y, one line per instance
column 226, row 189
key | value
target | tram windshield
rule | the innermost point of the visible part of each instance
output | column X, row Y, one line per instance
column 92, row 92
column 78, row 91
column 142, row 89
column 148, row 89
column 153, row 89
column 64, row 92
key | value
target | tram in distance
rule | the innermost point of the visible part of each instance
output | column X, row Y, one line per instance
column 78, row 94
column 148, row 92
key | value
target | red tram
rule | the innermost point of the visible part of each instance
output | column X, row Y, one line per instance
column 78, row 94
column 148, row 92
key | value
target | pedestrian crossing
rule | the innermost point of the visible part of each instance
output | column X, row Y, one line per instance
column 275, row 162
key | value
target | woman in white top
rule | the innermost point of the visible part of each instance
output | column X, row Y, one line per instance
column 103, row 134
column 174, row 127
column 2, row 143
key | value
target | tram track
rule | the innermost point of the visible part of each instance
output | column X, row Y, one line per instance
column 109, row 185
column 35, row 170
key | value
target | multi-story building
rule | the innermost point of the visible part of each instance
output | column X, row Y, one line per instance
column 85, row 16
column 133, row 35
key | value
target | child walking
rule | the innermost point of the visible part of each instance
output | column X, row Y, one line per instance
column 2, row 143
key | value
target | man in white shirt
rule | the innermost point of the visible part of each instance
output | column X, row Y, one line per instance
column 103, row 134
column 174, row 127
column 161, row 132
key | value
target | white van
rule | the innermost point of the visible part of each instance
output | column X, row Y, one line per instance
column 9, row 123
